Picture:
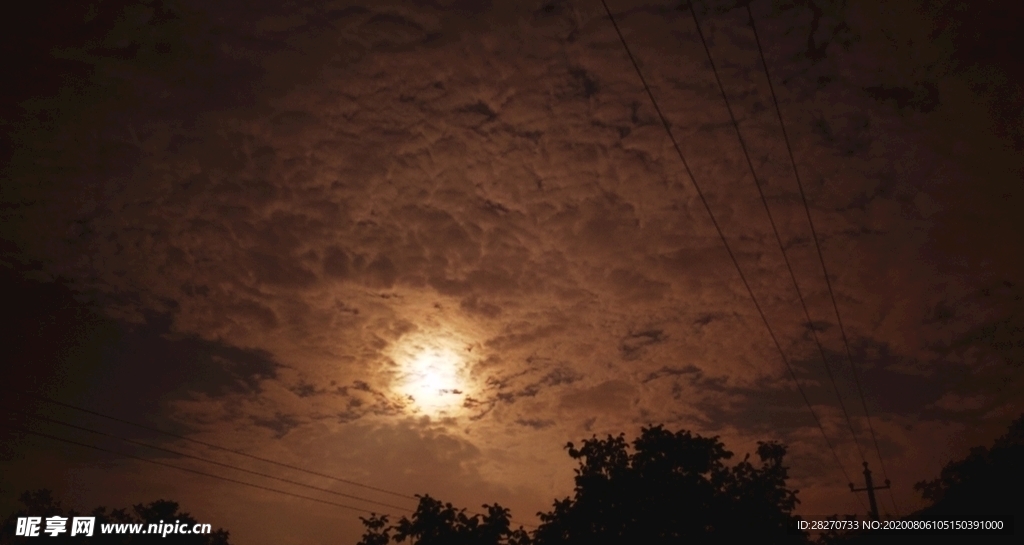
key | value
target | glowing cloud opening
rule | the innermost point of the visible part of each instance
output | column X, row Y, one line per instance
column 432, row 377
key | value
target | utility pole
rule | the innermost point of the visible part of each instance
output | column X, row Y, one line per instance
column 870, row 488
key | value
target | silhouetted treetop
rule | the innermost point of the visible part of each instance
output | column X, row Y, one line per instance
column 985, row 485
column 663, row 488
column 671, row 487
column 436, row 523
column 987, row 481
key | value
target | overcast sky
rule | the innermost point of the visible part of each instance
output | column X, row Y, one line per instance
column 283, row 228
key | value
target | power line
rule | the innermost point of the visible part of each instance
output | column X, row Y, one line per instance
column 218, row 447
column 201, row 459
column 721, row 235
column 821, row 257
column 225, row 449
column 775, row 231
column 197, row 472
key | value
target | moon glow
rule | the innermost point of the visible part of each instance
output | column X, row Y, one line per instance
column 432, row 378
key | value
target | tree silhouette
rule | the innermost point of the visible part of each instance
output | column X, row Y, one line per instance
column 983, row 486
column 435, row 523
column 985, row 483
column 672, row 487
column 665, row 488
column 41, row 503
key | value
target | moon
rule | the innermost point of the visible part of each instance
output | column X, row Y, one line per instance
column 432, row 378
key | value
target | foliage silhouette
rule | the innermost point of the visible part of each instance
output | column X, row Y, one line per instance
column 42, row 504
column 672, row 487
column 435, row 523
column 665, row 488
column 986, row 482
column 985, row 485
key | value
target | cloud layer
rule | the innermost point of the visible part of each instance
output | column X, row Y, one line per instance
column 333, row 187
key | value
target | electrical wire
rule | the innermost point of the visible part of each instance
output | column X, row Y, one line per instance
column 821, row 257
column 200, row 458
column 725, row 242
column 225, row 449
column 775, row 231
column 217, row 447
column 197, row 472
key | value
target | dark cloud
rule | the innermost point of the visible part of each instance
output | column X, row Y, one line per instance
column 672, row 372
column 62, row 346
column 636, row 341
column 281, row 424
column 536, row 423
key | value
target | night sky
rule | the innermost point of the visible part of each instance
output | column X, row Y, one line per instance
column 422, row 245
